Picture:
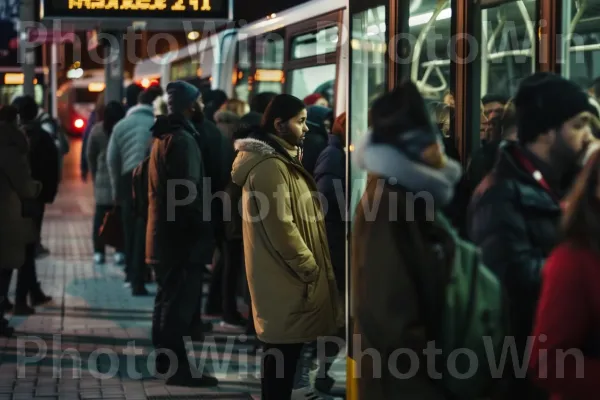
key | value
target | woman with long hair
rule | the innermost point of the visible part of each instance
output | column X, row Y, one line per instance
column 399, row 227
column 292, row 284
column 565, row 358
column 96, row 156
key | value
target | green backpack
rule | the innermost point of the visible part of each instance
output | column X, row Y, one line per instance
column 472, row 323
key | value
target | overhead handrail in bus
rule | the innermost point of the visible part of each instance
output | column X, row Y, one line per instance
column 441, row 4
column 529, row 27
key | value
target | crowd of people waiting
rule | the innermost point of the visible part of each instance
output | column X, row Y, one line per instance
column 537, row 167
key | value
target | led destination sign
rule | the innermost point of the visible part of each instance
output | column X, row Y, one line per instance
column 137, row 9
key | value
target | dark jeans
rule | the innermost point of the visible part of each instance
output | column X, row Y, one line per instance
column 99, row 214
column 174, row 307
column 274, row 385
column 128, row 219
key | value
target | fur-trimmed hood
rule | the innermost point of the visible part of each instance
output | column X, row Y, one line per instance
column 250, row 152
column 389, row 162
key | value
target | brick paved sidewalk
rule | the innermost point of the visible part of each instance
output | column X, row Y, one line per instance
column 92, row 341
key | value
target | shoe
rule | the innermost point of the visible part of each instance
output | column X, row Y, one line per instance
column 6, row 306
column 119, row 259
column 22, row 309
column 41, row 251
column 235, row 320
column 37, row 297
column 305, row 393
column 139, row 291
column 187, row 380
column 5, row 329
column 99, row 258
column 325, row 384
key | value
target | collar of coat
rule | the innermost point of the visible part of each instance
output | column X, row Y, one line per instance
column 387, row 161
column 141, row 108
column 264, row 147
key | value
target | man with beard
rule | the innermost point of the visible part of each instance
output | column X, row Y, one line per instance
column 176, row 231
column 515, row 211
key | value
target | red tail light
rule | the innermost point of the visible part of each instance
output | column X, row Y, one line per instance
column 78, row 123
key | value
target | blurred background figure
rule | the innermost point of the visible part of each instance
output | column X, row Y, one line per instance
column 97, row 162
column 316, row 99
column 18, row 232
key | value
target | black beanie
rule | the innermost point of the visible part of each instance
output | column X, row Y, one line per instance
column 545, row 101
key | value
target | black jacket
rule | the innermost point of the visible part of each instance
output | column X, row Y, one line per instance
column 176, row 224
column 330, row 176
column 515, row 222
column 44, row 160
column 217, row 154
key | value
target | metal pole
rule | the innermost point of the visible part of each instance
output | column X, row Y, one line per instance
column 53, row 78
column 27, row 16
column 113, row 69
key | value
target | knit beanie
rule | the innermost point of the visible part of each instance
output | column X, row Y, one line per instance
column 181, row 96
column 545, row 101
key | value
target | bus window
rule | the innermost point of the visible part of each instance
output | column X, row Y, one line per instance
column 242, row 71
column 83, row 95
column 430, row 61
column 507, row 56
column 269, row 56
column 315, row 43
column 367, row 82
column 306, row 81
column 582, row 64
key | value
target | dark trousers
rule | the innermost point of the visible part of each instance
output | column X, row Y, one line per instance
column 5, row 278
column 174, row 308
column 26, row 277
column 38, row 220
column 139, row 268
column 99, row 214
column 128, row 219
column 277, row 380
column 232, row 269
column 214, row 302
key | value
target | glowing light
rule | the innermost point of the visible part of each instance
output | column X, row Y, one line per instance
column 78, row 123
column 194, row 35
column 96, row 87
column 75, row 73
column 14, row 79
column 269, row 75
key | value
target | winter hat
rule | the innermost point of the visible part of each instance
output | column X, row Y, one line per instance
column 545, row 101
column 339, row 126
column 181, row 96
column 312, row 99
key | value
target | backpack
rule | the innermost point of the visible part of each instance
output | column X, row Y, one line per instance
column 473, row 319
column 57, row 134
